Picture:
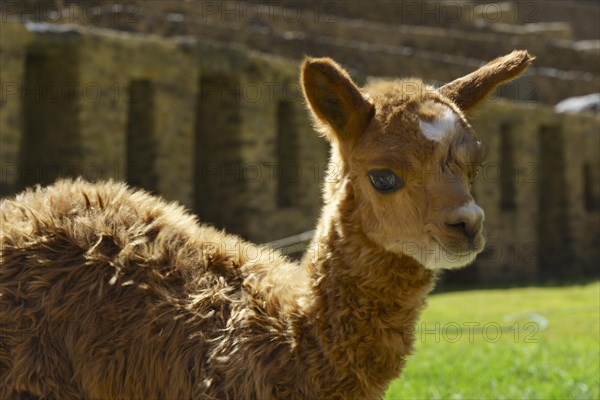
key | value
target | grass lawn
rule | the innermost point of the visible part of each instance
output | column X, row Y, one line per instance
column 526, row 343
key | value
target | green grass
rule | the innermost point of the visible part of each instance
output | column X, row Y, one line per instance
column 466, row 349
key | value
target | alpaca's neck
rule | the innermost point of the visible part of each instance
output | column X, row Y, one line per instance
column 367, row 300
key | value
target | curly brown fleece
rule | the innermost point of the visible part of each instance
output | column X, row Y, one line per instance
column 110, row 293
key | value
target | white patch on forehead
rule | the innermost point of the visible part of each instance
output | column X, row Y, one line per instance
column 440, row 127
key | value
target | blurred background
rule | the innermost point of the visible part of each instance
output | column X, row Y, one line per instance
column 199, row 101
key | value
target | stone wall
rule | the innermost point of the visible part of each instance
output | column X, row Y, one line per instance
column 211, row 136
column 540, row 190
column 434, row 38
column 224, row 131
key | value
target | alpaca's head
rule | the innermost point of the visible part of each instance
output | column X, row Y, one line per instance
column 409, row 154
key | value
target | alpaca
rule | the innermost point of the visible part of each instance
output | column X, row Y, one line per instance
column 108, row 292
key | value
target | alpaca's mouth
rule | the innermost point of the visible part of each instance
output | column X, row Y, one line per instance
column 454, row 243
column 462, row 247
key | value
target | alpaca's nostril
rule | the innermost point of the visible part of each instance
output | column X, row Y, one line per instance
column 461, row 227
column 468, row 229
column 466, row 220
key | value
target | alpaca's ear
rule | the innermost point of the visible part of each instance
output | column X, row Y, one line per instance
column 471, row 89
column 335, row 99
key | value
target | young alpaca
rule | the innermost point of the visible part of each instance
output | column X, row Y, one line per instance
column 107, row 292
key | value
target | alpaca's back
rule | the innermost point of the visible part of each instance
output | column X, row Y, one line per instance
column 106, row 292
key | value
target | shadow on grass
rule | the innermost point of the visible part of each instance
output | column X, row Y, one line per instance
column 456, row 281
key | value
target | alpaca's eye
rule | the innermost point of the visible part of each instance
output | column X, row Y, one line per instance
column 385, row 181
